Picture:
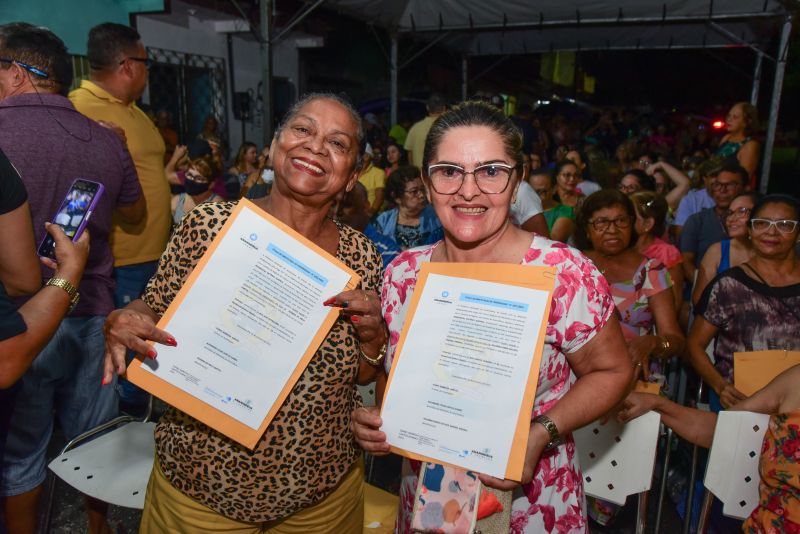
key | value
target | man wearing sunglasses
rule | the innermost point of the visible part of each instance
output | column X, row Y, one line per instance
column 51, row 145
column 119, row 73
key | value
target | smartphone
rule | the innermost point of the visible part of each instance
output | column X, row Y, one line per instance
column 74, row 213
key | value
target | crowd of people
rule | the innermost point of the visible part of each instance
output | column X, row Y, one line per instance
column 660, row 245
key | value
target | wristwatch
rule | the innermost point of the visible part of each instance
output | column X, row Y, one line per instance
column 552, row 430
column 71, row 290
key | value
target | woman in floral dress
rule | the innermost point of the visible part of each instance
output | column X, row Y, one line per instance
column 472, row 165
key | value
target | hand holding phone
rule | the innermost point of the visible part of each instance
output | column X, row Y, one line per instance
column 74, row 213
column 70, row 256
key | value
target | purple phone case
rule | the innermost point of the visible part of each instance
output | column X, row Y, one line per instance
column 86, row 217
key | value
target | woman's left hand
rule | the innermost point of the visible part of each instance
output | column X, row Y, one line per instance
column 639, row 349
column 537, row 441
column 364, row 310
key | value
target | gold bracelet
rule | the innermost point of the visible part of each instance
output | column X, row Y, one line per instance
column 377, row 359
column 71, row 290
column 664, row 349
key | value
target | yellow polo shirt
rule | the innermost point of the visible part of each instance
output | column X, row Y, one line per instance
column 372, row 179
column 145, row 241
column 415, row 140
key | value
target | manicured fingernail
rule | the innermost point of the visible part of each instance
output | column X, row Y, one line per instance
column 355, row 318
column 171, row 342
column 329, row 301
column 105, row 381
column 151, row 354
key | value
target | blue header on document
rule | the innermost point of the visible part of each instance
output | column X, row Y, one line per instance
column 491, row 301
column 298, row 265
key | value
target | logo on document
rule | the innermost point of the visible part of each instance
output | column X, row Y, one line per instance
column 253, row 237
column 443, row 298
column 483, row 453
column 247, row 404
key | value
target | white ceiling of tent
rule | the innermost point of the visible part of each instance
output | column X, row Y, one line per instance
column 487, row 27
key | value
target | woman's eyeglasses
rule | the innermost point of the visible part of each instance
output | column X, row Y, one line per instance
column 738, row 213
column 601, row 225
column 628, row 189
column 784, row 226
column 196, row 177
column 491, row 179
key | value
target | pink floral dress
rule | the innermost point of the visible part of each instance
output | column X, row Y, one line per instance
column 581, row 306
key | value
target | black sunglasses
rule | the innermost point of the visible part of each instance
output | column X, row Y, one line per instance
column 146, row 60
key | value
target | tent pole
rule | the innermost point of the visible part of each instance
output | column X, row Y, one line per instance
column 756, row 79
column 777, row 88
column 464, row 77
column 266, row 79
column 393, row 80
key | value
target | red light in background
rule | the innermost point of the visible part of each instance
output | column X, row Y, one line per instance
column 718, row 125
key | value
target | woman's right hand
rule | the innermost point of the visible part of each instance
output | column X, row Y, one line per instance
column 729, row 395
column 128, row 328
column 637, row 404
column 365, row 424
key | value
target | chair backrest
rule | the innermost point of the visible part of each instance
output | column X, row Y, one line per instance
column 732, row 472
column 367, row 393
column 617, row 459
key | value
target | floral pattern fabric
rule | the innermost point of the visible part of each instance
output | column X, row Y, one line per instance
column 581, row 306
column 750, row 316
column 778, row 510
column 666, row 253
column 631, row 297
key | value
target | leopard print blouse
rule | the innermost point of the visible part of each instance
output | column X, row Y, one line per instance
column 308, row 447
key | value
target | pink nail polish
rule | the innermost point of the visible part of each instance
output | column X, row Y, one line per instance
column 105, row 381
column 329, row 302
column 151, row 354
column 355, row 318
column 172, row 342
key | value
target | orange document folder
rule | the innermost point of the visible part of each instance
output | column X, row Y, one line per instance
column 754, row 370
column 541, row 278
column 199, row 409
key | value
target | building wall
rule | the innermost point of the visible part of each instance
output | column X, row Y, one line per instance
column 176, row 31
column 60, row 16
column 193, row 35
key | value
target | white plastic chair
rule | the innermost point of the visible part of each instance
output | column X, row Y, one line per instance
column 617, row 460
column 113, row 467
column 732, row 473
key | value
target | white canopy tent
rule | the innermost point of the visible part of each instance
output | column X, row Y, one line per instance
column 503, row 27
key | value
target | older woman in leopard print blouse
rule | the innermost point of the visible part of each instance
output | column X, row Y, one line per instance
column 305, row 474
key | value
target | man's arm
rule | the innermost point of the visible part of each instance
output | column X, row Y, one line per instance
column 43, row 313
column 19, row 266
column 536, row 224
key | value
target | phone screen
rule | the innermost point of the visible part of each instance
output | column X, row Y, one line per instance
column 74, row 213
